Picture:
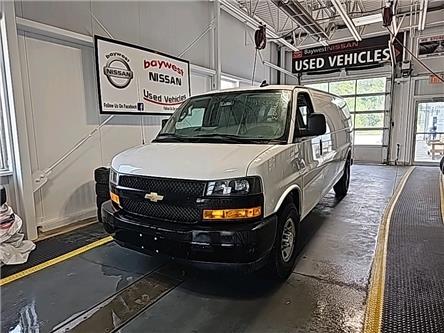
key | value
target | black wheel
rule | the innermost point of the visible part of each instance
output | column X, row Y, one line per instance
column 100, row 201
column 283, row 255
column 2, row 195
column 441, row 164
column 99, row 215
column 102, row 190
column 101, row 175
column 341, row 187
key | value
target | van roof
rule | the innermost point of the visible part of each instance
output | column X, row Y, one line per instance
column 269, row 87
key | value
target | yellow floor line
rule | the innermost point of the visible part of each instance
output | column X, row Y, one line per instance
column 54, row 261
column 375, row 299
column 441, row 190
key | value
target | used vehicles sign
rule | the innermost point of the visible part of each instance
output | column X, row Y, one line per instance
column 368, row 52
column 135, row 80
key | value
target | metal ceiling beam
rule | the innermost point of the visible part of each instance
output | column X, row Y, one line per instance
column 253, row 22
column 347, row 20
column 301, row 16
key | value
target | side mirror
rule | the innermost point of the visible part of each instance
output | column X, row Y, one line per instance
column 317, row 125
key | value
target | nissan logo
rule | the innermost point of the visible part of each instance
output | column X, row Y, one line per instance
column 118, row 72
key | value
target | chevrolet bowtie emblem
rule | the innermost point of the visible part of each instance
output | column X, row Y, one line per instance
column 154, row 197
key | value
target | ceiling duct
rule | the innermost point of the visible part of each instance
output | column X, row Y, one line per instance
column 299, row 14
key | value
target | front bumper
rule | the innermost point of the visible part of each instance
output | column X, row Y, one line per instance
column 243, row 245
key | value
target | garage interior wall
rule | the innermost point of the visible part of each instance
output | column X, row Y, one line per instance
column 61, row 96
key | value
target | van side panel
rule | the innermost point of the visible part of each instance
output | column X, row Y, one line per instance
column 339, row 124
column 280, row 167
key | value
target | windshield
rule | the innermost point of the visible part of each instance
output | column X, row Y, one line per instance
column 241, row 116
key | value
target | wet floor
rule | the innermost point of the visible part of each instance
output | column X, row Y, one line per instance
column 111, row 288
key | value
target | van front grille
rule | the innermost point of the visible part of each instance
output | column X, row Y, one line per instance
column 177, row 205
column 163, row 185
column 157, row 210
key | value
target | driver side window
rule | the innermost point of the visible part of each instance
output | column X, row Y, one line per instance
column 304, row 109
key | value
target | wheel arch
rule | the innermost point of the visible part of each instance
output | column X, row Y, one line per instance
column 292, row 194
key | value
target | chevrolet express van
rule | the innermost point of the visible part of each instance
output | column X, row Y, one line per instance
column 230, row 176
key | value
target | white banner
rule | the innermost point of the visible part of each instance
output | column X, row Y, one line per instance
column 135, row 80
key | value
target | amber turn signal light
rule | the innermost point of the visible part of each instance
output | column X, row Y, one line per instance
column 232, row 214
column 114, row 198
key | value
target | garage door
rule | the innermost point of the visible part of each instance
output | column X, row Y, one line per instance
column 369, row 104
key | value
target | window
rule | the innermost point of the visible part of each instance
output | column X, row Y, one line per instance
column 366, row 100
column 226, row 83
column 233, row 117
column 193, row 116
column 304, row 109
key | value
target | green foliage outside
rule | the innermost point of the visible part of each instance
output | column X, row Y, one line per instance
column 359, row 103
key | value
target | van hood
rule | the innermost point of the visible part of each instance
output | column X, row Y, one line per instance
column 201, row 161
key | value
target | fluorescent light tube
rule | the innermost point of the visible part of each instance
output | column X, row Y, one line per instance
column 423, row 15
column 369, row 19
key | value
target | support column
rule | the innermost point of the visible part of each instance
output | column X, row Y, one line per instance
column 216, row 47
column 283, row 64
column 16, row 104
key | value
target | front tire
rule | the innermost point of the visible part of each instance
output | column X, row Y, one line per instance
column 284, row 253
column 341, row 187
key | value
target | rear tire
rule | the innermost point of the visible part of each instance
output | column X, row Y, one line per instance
column 341, row 187
column 284, row 253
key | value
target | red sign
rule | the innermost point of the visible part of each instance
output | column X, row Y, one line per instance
column 436, row 79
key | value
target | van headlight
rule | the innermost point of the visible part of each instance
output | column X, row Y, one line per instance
column 113, row 177
column 239, row 186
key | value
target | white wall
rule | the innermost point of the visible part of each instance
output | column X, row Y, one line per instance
column 60, row 87
column 238, row 51
column 61, row 110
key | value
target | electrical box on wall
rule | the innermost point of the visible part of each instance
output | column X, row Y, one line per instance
column 406, row 68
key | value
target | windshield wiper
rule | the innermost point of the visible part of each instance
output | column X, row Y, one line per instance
column 169, row 137
column 224, row 137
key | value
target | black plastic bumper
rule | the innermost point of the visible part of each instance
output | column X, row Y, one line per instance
column 241, row 245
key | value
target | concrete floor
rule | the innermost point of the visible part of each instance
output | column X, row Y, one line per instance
column 326, row 292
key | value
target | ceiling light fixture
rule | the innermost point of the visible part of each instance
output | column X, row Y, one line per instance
column 347, row 20
column 368, row 19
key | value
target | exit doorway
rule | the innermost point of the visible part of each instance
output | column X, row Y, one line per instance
column 429, row 135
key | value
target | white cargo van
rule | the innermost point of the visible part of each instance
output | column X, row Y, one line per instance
column 230, row 176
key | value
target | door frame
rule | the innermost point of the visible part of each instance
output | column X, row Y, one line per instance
column 416, row 102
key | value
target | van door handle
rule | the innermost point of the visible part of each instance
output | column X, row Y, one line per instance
column 320, row 145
